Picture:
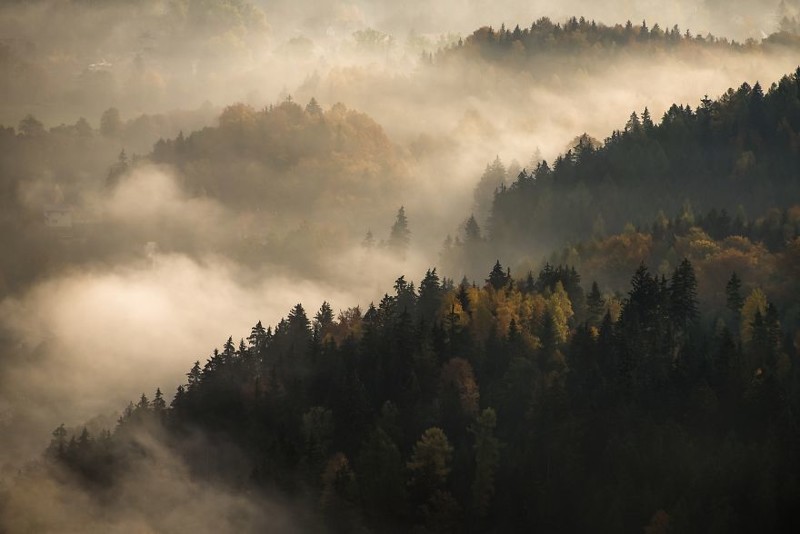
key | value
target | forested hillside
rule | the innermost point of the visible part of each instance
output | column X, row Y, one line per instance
column 763, row 248
column 289, row 160
column 738, row 152
column 608, row 340
column 578, row 41
column 266, row 184
column 509, row 404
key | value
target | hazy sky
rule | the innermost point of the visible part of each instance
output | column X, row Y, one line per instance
column 738, row 19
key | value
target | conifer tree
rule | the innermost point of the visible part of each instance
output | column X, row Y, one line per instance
column 733, row 294
column 596, row 305
column 400, row 236
column 498, row 278
column 683, row 295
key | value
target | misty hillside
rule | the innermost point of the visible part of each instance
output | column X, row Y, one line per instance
column 268, row 183
column 289, row 156
column 508, row 404
column 740, row 152
column 760, row 247
column 727, row 165
column 512, row 402
column 489, row 295
column 583, row 42
column 62, row 55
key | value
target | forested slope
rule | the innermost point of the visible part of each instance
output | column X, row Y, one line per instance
column 742, row 150
column 507, row 405
column 578, row 41
column 646, row 378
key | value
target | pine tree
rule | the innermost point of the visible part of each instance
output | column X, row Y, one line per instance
column 58, row 445
column 194, row 376
column 400, row 236
column 430, row 297
column 323, row 319
column 159, row 404
column 258, row 337
column 633, row 124
column 472, row 232
column 118, row 169
column 493, row 178
column 298, row 335
column 596, row 304
column 683, row 295
column 647, row 121
column 313, row 108
column 298, row 320
column 733, row 295
column 143, row 405
column 178, row 401
column 497, row 278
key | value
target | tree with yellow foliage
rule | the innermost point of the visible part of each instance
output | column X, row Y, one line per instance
column 560, row 309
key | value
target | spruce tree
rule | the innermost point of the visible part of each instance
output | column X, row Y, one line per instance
column 400, row 236
column 497, row 278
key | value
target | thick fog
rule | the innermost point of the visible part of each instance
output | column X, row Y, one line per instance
column 62, row 59
column 170, row 268
column 737, row 19
column 86, row 341
column 159, row 494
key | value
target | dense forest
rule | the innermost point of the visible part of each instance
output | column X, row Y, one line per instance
column 739, row 152
column 288, row 155
column 664, row 397
column 763, row 248
column 278, row 175
column 581, row 41
column 608, row 339
column 514, row 403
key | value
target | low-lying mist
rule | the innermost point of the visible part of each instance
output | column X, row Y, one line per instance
column 170, row 250
column 88, row 340
column 82, row 334
column 158, row 493
column 458, row 116
column 64, row 59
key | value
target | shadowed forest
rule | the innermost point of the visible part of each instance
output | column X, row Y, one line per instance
column 512, row 266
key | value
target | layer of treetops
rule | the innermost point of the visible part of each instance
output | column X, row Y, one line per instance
column 516, row 404
column 764, row 249
column 261, row 152
column 739, row 153
column 518, row 46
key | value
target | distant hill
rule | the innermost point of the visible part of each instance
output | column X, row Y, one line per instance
column 289, row 160
column 741, row 151
column 580, row 41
